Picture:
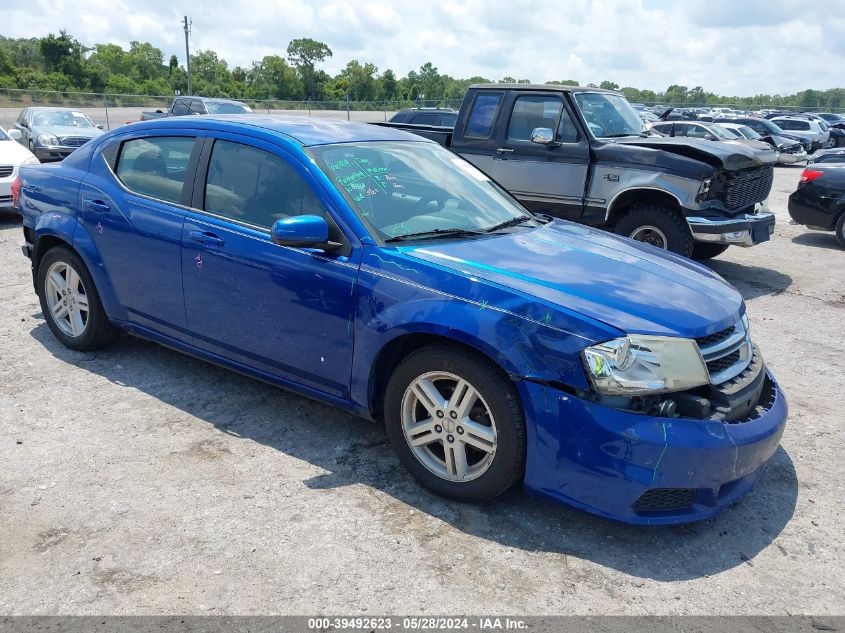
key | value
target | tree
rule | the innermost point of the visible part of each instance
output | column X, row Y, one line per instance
column 358, row 80
column 273, row 78
column 64, row 55
column 388, row 86
column 304, row 53
column 609, row 85
column 172, row 65
column 147, row 61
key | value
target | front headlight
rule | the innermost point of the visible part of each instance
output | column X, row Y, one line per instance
column 47, row 139
column 641, row 364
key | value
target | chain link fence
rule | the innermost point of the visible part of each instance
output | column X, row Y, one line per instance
column 114, row 110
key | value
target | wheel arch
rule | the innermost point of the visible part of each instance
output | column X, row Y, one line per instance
column 400, row 347
column 625, row 200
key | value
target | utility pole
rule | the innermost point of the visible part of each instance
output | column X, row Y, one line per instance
column 188, row 53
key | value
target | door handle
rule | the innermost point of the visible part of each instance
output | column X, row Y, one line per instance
column 504, row 150
column 204, row 237
column 97, row 205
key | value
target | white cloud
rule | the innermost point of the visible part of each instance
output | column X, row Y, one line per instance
column 727, row 46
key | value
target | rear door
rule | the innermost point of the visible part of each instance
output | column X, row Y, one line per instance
column 134, row 200
column 281, row 310
column 543, row 177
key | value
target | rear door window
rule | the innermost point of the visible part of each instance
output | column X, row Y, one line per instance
column 426, row 119
column 483, row 115
column 155, row 166
column 253, row 186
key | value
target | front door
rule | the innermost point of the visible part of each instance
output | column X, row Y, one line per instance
column 282, row 310
column 550, row 177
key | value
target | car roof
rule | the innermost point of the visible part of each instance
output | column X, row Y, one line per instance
column 53, row 109
column 305, row 130
column 546, row 87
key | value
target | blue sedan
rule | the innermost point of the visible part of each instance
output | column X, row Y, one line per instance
column 381, row 273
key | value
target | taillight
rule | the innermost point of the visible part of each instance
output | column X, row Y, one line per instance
column 809, row 175
column 16, row 192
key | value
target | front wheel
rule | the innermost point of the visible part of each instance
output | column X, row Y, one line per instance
column 456, row 423
column 704, row 250
column 659, row 226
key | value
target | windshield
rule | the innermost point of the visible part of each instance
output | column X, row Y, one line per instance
column 227, row 108
column 723, row 133
column 609, row 115
column 66, row 118
column 404, row 188
column 747, row 132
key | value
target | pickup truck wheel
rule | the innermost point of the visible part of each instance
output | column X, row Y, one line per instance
column 456, row 423
column 840, row 229
column 703, row 250
column 70, row 302
column 659, row 226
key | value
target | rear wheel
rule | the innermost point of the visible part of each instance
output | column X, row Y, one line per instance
column 456, row 423
column 659, row 226
column 70, row 302
column 704, row 250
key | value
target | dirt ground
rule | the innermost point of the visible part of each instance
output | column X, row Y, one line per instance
column 140, row 481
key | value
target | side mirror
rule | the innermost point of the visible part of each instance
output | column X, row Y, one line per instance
column 542, row 136
column 24, row 124
column 307, row 231
column 99, row 127
column 15, row 135
column 709, row 137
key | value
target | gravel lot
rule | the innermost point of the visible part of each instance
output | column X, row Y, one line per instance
column 140, row 481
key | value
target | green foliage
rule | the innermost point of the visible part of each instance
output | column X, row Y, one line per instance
column 62, row 63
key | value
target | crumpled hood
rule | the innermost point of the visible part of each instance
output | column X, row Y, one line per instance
column 635, row 288
column 727, row 155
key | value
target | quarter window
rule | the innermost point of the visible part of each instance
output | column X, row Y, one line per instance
column 155, row 167
column 256, row 187
column 482, row 115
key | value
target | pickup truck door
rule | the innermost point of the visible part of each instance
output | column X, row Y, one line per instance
column 549, row 178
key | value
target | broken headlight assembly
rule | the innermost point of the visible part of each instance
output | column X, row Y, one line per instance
column 642, row 364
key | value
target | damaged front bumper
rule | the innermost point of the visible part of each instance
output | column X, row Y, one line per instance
column 641, row 468
column 745, row 229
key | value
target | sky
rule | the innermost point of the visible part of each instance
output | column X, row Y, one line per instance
column 730, row 47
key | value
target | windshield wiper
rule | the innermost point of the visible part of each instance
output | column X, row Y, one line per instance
column 508, row 223
column 456, row 232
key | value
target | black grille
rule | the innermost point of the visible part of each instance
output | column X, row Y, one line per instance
column 662, row 499
column 717, row 337
column 721, row 364
column 748, row 187
column 6, row 171
column 73, row 141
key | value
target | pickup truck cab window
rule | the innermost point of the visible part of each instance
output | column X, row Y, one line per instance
column 531, row 112
column 155, row 166
column 251, row 185
column 483, row 115
column 180, row 108
column 196, row 107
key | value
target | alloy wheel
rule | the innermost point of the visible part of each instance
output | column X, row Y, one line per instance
column 448, row 426
column 66, row 299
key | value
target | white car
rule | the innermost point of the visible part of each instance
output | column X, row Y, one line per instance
column 12, row 156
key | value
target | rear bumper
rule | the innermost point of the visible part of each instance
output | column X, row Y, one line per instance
column 643, row 469
column 787, row 158
column 808, row 207
column 746, row 229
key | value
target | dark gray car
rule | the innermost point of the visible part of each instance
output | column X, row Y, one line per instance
column 53, row 133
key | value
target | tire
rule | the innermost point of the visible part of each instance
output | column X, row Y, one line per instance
column 75, row 326
column 840, row 229
column 493, row 446
column 657, row 225
column 704, row 250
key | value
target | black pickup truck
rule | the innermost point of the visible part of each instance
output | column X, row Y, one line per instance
column 183, row 106
column 582, row 154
